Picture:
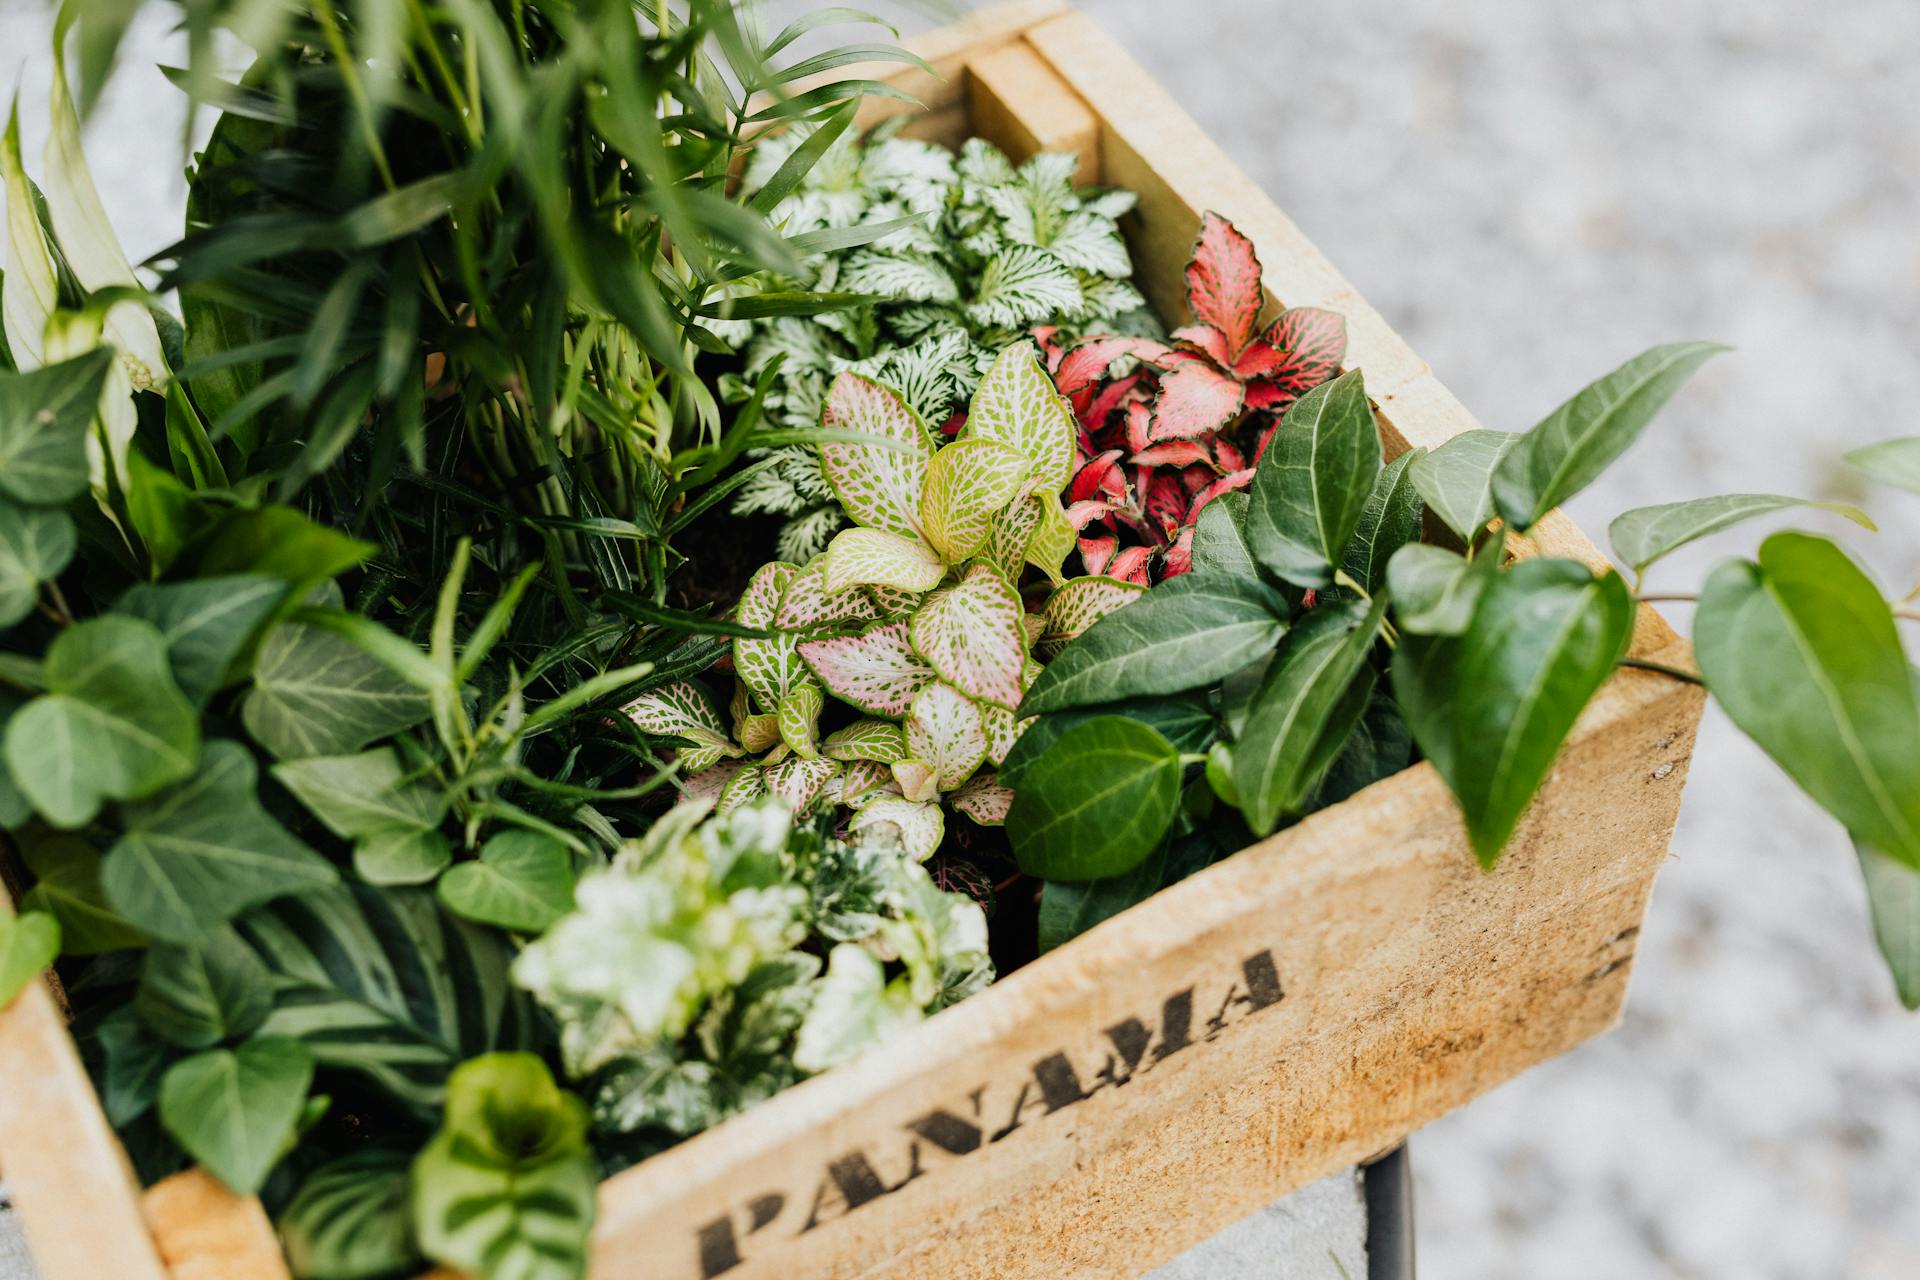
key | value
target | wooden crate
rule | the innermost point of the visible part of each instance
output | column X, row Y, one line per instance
column 1291, row 1010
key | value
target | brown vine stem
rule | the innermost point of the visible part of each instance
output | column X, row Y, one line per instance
column 1647, row 664
column 1677, row 597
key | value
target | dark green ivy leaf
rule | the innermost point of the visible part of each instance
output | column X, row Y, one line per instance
column 1184, row 719
column 234, row 1110
column 199, row 995
column 44, row 419
column 1390, row 520
column 207, row 623
column 1313, row 482
column 1097, row 802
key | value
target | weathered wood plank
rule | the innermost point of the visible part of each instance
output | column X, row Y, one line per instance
column 1021, row 105
column 206, row 1232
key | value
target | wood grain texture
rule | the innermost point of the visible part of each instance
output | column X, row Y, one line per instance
column 1290, row 1010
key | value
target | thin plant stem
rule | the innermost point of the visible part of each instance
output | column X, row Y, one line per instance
column 1670, row 597
column 1647, row 664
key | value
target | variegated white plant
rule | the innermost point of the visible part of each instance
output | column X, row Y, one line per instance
column 914, row 617
column 726, row 956
column 996, row 251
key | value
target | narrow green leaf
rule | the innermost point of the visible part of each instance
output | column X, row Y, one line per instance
column 1313, row 482
column 1097, row 802
column 1801, row 651
column 1184, row 634
column 1576, row 442
column 235, row 1109
column 1389, row 521
column 1645, row 534
column 1491, row 708
column 1893, row 898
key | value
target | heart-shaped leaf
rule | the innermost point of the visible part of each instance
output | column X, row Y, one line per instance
column 877, row 670
column 972, row 635
column 317, row 693
column 202, row 852
column 44, row 419
column 200, row 994
column 1313, row 482
column 1894, row 462
column 1314, row 691
column 112, row 725
column 945, row 730
column 1457, row 478
column 1645, row 534
column 1576, row 442
column 1016, row 406
column 370, row 799
column 879, row 482
column 522, row 882
column 1096, row 803
column 1491, row 708
column 858, row 557
column 1800, row 650
column 35, row 545
column 29, row 943
column 207, row 623
column 1183, row 634
column 1389, row 521
column 67, row 886
column 968, row 483
column 235, row 1109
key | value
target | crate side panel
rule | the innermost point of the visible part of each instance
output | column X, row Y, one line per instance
column 206, row 1232
column 1021, row 105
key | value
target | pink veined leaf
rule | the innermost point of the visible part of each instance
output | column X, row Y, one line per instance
column 921, row 826
column 1100, row 478
column 946, row 731
column 1097, row 553
column 1131, row 565
column 1164, row 499
column 1195, row 477
column 1078, row 604
column 879, row 486
column 1082, row 514
column 971, row 635
column 876, row 670
column 873, row 557
column 707, row 784
column 800, row 782
column 1139, row 426
column 1223, row 282
column 860, row 779
column 1043, row 336
column 1195, row 400
column 983, row 799
column 806, row 604
column 769, row 667
column 1003, row 730
column 1178, row 558
column 893, row 602
column 1307, row 346
column 1088, row 362
column 1225, row 484
column 742, row 788
column 1265, row 437
column 1102, row 404
column 1174, row 453
column 679, row 710
column 1209, row 340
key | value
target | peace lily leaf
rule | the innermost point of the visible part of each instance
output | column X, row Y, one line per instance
column 806, row 604
column 1457, row 478
column 29, row 942
column 1068, row 909
column 316, row 693
column 1576, row 442
column 879, row 486
column 798, row 719
column 862, row 556
column 1184, row 634
column 877, row 670
column 1645, row 534
column 1096, row 803
column 1016, row 405
column 45, row 416
column 234, row 1110
column 1893, row 897
column 945, row 730
column 67, row 886
column 207, row 623
column 971, row 634
column 29, row 291
column 1801, row 651
column 1434, row 590
column 1219, row 541
column 879, row 740
column 1313, row 482
column 1895, row 462
column 854, row 1008
column 921, row 826
column 983, row 799
column 351, row 1218
column 198, row 995
column 1079, row 603
column 1313, row 693
column 968, row 483
column 506, row 1188
column 35, row 545
column 111, row 726
column 523, row 882
column 369, row 798
column 1491, row 708
column 204, row 851
column 1389, row 521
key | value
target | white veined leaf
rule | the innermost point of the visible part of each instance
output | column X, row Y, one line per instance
column 30, row 290
column 971, row 635
column 917, row 780
column 807, row 605
column 879, row 740
column 798, row 718
column 876, row 670
column 1110, row 204
column 1016, row 405
column 1092, row 243
column 898, row 277
column 805, row 536
column 748, row 785
column 1003, row 730
column 879, row 484
column 983, row 163
column 1023, row 284
column 860, row 780
column 921, row 825
column 983, row 799
column 770, row 668
column 800, row 782
column 893, row 602
column 861, row 557
column 945, row 730
column 1107, row 299
column 679, row 710
column 969, row 482
column 1078, row 604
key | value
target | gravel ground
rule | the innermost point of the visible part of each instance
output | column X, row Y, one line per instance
column 1530, row 193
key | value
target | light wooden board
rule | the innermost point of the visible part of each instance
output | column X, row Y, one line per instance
column 1290, row 1010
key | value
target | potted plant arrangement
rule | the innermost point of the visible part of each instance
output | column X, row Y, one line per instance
column 567, row 711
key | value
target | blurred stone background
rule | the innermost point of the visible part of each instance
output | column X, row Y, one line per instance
column 1532, row 192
